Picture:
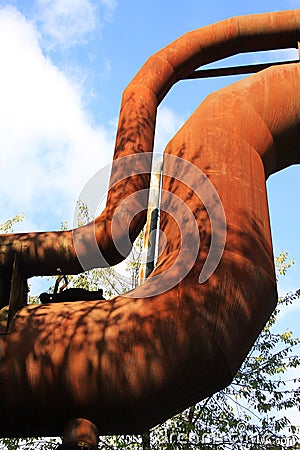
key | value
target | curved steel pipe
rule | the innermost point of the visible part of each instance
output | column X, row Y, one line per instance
column 44, row 252
column 130, row 363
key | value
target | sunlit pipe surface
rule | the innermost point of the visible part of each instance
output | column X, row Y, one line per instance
column 130, row 363
column 42, row 253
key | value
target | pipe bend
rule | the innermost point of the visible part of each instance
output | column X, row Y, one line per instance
column 152, row 352
column 268, row 115
column 45, row 251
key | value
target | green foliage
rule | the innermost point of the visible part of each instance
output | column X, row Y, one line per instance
column 248, row 414
column 251, row 412
column 134, row 261
column 113, row 281
column 7, row 227
column 29, row 444
column 282, row 263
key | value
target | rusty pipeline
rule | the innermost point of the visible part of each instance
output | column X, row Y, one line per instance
column 132, row 362
column 42, row 253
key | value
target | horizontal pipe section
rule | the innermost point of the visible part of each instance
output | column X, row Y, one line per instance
column 130, row 363
column 43, row 253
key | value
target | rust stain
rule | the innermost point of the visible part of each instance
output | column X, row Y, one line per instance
column 129, row 364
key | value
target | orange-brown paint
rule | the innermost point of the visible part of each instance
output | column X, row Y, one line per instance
column 128, row 364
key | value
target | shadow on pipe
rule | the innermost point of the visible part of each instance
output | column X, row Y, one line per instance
column 132, row 362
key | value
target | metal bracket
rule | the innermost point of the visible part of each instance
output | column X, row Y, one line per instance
column 236, row 70
column 80, row 434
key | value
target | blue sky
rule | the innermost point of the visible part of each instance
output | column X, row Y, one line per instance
column 64, row 66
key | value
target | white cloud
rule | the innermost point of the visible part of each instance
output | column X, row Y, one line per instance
column 167, row 124
column 68, row 22
column 109, row 7
column 49, row 145
column 49, row 148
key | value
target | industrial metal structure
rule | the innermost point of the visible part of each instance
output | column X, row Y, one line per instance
column 127, row 364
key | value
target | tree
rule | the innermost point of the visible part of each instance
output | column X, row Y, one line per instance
column 29, row 443
column 249, row 414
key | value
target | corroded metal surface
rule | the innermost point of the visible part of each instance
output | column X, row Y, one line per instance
column 130, row 363
column 79, row 434
column 42, row 253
